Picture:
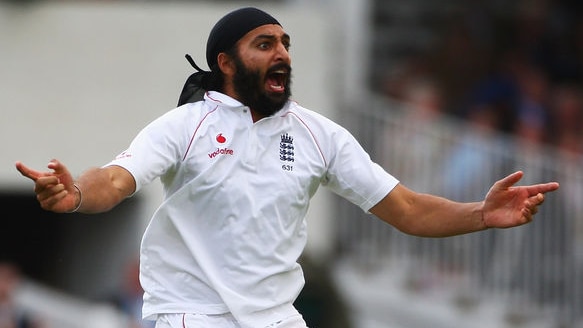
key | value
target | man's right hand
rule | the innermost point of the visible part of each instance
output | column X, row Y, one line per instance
column 54, row 189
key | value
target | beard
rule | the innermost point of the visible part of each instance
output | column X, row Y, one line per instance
column 248, row 85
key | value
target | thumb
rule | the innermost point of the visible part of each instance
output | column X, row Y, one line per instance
column 57, row 166
column 510, row 180
column 61, row 171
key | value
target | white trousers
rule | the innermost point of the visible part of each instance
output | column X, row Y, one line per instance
column 188, row 320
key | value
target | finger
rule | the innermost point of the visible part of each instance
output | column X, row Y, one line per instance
column 59, row 168
column 542, row 188
column 28, row 172
column 46, row 182
column 49, row 191
column 50, row 197
column 55, row 164
column 510, row 180
column 527, row 215
column 532, row 204
column 539, row 199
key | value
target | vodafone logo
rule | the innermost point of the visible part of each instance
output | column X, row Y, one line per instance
column 220, row 138
column 221, row 151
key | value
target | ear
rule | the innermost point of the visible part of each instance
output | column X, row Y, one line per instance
column 226, row 64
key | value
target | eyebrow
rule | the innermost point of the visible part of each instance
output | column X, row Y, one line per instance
column 284, row 37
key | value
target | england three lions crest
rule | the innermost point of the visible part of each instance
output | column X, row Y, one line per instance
column 286, row 148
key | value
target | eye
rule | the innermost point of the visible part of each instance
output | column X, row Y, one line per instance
column 264, row 45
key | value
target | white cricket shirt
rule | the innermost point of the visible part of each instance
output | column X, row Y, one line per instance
column 231, row 228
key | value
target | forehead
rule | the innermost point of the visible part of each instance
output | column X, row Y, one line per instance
column 270, row 30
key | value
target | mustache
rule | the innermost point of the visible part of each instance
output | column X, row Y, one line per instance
column 278, row 67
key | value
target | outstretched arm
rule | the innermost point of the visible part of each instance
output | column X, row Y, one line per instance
column 505, row 206
column 96, row 190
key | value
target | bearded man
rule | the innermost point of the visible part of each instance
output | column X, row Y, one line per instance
column 239, row 168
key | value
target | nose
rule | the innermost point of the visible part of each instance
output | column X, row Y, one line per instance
column 282, row 53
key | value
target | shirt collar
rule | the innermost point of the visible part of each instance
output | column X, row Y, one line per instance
column 224, row 100
column 217, row 97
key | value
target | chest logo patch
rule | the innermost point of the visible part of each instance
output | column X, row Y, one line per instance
column 286, row 148
column 221, row 138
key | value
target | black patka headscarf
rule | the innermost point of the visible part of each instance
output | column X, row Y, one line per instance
column 226, row 32
column 231, row 28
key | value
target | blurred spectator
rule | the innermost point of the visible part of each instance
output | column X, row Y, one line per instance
column 533, row 101
column 498, row 90
column 467, row 166
column 511, row 57
column 399, row 82
column 12, row 315
column 422, row 103
column 567, row 114
column 320, row 303
column 457, row 62
column 129, row 298
column 424, row 98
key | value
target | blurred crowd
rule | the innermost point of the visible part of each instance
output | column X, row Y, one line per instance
column 12, row 313
column 518, row 70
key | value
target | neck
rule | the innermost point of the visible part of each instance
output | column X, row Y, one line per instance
column 256, row 116
column 229, row 91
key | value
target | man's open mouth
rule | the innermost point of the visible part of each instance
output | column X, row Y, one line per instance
column 276, row 80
